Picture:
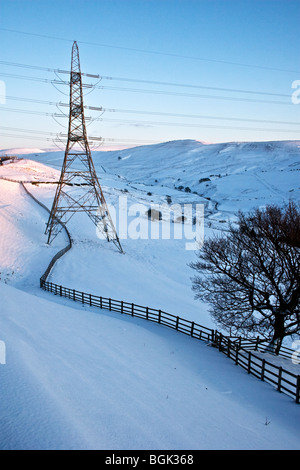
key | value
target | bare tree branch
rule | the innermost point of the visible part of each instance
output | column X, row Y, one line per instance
column 251, row 277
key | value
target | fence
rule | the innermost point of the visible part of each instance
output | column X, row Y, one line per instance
column 261, row 346
column 283, row 380
column 158, row 316
column 237, row 349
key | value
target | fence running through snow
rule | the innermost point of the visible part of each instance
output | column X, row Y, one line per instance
column 237, row 349
column 158, row 316
column 283, row 380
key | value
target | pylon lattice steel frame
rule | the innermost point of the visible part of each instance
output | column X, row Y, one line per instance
column 92, row 200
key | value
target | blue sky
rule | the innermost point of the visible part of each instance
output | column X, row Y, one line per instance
column 218, row 53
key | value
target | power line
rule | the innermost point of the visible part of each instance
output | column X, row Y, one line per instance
column 186, row 85
column 155, row 123
column 149, row 123
column 52, row 103
column 44, row 139
column 152, row 113
column 24, row 77
column 199, row 116
column 141, row 90
column 153, row 52
column 213, row 126
column 30, row 131
column 44, row 69
column 27, row 111
column 152, row 82
column 39, row 79
column 38, row 113
column 31, row 100
column 53, row 134
column 104, row 141
column 191, row 95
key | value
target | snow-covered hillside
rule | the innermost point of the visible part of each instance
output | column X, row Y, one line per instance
column 78, row 378
column 226, row 177
column 20, row 151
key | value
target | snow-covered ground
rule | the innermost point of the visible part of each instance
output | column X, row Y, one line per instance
column 79, row 378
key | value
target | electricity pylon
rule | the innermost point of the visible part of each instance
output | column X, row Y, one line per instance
column 78, row 171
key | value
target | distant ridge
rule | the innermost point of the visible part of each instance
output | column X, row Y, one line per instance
column 21, row 151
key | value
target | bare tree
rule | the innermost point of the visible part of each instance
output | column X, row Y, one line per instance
column 251, row 277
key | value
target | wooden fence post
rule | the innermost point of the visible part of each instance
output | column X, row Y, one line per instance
column 236, row 355
column 220, row 342
column 298, row 390
column 212, row 336
column 249, row 362
column 159, row 316
column 228, row 347
column 262, row 374
column 192, row 328
column 177, row 323
column 279, row 379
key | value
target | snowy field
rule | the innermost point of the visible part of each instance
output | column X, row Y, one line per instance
column 77, row 378
column 80, row 378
